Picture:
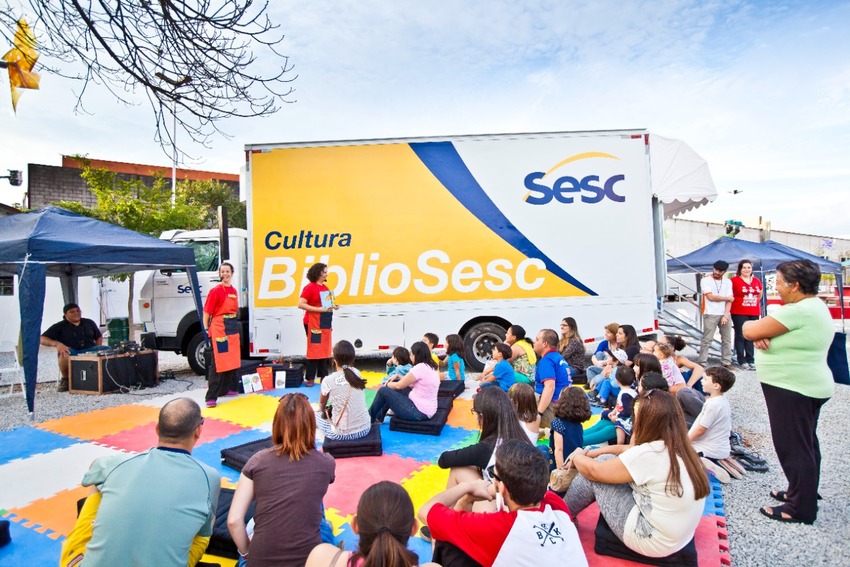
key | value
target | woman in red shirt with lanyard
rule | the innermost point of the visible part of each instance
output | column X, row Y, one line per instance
column 747, row 291
column 318, row 304
column 223, row 328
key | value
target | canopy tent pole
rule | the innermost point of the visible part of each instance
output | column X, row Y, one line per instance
column 31, row 284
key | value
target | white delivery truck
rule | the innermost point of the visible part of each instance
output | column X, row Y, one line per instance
column 466, row 235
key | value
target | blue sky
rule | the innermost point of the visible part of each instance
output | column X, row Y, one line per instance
column 760, row 89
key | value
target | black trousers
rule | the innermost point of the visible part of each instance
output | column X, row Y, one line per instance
column 743, row 347
column 219, row 383
column 793, row 426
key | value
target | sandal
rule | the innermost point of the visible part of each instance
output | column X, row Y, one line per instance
column 733, row 467
column 750, row 465
column 782, row 496
column 776, row 514
column 741, row 451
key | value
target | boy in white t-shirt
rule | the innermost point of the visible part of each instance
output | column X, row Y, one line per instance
column 709, row 434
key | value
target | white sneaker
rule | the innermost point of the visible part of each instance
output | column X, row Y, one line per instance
column 718, row 471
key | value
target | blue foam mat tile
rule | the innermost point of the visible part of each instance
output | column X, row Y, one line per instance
column 714, row 501
column 210, row 453
column 30, row 548
column 420, row 447
column 24, row 442
column 311, row 393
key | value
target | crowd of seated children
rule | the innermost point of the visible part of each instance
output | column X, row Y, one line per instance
column 525, row 403
column 566, row 431
column 501, row 373
column 455, row 365
column 398, row 365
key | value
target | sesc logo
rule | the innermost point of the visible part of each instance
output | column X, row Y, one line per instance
column 567, row 189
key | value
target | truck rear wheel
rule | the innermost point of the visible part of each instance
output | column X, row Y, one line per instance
column 195, row 355
column 478, row 344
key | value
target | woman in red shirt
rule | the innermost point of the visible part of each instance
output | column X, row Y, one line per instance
column 318, row 304
column 747, row 291
column 223, row 328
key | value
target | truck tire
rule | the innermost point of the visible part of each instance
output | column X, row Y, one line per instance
column 478, row 344
column 195, row 355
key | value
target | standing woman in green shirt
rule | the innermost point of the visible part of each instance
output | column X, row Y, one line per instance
column 792, row 343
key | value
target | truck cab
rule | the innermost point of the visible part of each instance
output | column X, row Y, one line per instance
column 165, row 301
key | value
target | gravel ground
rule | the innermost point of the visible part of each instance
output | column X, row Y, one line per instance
column 754, row 540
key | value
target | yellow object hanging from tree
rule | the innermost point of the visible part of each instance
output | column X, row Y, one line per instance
column 20, row 61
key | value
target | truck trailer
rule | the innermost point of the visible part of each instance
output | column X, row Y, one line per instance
column 458, row 234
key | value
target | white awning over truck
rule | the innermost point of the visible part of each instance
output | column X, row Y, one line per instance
column 680, row 177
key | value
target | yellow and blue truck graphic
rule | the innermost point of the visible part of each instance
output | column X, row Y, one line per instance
column 465, row 234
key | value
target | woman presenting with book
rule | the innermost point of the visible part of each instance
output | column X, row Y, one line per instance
column 318, row 304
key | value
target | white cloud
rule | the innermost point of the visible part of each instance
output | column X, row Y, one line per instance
column 760, row 89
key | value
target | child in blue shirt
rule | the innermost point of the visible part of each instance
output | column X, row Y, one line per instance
column 454, row 361
column 503, row 373
column 398, row 365
column 567, row 432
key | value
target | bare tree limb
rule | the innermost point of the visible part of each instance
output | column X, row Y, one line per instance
column 200, row 55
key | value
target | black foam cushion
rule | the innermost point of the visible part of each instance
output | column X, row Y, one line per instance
column 433, row 426
column 369, row 446
column 607, row 543
column 221, row 542
column 451, row 388
column 236, row 457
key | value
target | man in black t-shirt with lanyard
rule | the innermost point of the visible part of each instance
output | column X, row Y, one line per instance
column 71, row 334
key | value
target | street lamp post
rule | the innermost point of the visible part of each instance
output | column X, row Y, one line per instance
column 175, row 83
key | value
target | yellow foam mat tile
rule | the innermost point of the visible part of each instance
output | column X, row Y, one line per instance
column 425, row 483
column 247, row 411
column 99, row 423
column 373, row 379
column 337, row 520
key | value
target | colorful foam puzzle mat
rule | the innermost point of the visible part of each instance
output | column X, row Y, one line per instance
column 41, row 467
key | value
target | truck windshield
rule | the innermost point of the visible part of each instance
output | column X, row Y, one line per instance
column 206, row 255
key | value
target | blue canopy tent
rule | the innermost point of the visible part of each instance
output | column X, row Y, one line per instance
column 55, row 242
column 765, row 256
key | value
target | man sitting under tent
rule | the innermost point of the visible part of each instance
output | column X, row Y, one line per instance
column 70, row 336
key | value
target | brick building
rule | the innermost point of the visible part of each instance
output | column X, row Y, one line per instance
column 47, row 184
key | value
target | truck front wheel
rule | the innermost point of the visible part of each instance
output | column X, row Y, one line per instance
column 478, row 344
column 195, row 354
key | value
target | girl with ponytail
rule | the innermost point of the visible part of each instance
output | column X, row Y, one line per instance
column 346, row 416
column 384, row 522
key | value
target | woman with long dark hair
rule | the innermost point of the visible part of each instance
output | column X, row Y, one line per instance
column 498, row 422
column 571, row 346
column 412, row 396
column 288, row 510
column 627, row 340
column 384, row 522
column 346, row 417
column 747, row 291
column 651, row 493
column 318, row 304
column 791, row 347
